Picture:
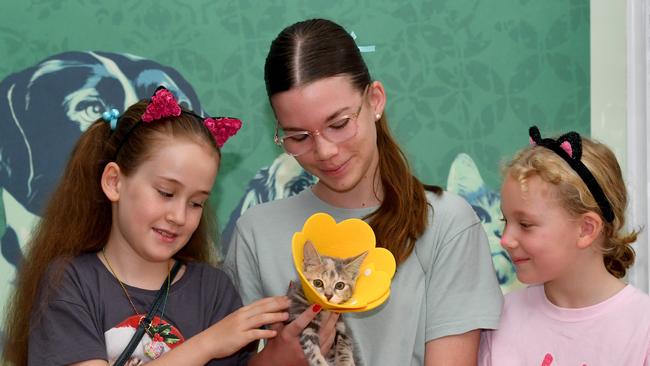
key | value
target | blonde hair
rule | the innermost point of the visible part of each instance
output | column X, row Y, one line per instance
column 575, row 197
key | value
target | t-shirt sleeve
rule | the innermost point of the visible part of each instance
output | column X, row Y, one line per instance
column 63, row 331
column 462, row 290
column 242, row 265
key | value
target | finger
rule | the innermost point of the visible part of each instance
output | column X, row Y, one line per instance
column 329, row 322
column 266, row 318
column 327, row 341
column 268, row 305
column 327, row 331
column 295, row 327
column 255, row 334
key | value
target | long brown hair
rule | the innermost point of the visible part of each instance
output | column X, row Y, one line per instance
column 618, row 254
column 77, row 219
column 315, row 49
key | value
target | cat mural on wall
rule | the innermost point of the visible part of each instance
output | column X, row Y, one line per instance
column 285, row 177
column 43, row 111
column 465, row 180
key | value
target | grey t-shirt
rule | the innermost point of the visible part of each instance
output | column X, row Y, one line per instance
column 447, row 286
column 88, row 316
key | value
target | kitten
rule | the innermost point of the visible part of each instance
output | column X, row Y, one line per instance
column 334, row 279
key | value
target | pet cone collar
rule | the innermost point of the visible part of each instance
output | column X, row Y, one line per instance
column 346, row 239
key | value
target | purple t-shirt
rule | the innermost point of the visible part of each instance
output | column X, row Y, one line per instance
column 88, row 316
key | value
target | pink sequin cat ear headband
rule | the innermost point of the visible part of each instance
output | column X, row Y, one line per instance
column 569, row 148
column 163, row 104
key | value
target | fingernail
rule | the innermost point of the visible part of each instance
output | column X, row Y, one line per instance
column 316, row 308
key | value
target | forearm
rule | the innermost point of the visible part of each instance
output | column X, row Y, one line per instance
column 457, row 350
column 194, row 351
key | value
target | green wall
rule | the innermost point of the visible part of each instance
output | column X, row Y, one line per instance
column 461, row 76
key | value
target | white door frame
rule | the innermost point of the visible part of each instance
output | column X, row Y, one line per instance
column 638, row 138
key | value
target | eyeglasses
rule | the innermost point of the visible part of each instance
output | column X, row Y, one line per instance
column 299, row 142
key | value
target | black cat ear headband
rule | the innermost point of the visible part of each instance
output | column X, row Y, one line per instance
column 569, row 148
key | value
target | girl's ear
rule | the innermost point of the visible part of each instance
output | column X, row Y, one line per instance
column 377, row 98
column 591, row 226
column 111, row 181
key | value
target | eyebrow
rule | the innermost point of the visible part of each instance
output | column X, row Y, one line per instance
column 177, row 182
column 525, row 215
column 331, row 117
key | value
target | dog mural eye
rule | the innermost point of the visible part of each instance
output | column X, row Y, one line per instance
column 84, row 107
column 90, row 111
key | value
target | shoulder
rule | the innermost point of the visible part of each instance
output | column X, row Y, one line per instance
column 518, row 306
column 636, row 298
column 450, row 214
column 269, row 209
column 450, row 204
column 72, row 280
column 79, row 268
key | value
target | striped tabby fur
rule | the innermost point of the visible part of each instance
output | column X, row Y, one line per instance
column 334, row 279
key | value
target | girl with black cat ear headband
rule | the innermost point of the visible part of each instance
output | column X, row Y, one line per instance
column 563, row 202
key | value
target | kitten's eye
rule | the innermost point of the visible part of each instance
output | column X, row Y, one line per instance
column 318, row 283
column 339, row 286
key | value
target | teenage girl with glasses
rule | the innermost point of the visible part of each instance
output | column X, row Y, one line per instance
column 330, row 117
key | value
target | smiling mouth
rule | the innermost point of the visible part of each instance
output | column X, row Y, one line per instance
column 165, row 235
column 520, row 260
column 334, row 170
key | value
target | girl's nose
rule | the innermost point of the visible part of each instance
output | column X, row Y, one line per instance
column 177, row 214
column 324, row 148
column 507, row 241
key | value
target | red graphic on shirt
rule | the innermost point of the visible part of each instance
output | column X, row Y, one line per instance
column 159, row 338
column 548, row 360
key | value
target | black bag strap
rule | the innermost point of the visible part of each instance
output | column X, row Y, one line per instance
column 146, row 321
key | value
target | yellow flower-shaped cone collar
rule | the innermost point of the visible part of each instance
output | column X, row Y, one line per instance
column 346, row 239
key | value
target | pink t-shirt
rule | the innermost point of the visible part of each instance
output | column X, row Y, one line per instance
column 534, row 332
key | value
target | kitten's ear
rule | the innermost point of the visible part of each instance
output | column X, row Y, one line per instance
column 310, row 255
column 353, row 264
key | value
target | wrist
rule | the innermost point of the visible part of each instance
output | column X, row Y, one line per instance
column 204, row 346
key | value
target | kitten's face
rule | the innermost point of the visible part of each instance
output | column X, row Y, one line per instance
column 333, row 278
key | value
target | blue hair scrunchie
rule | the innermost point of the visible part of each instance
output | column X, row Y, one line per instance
column 111, row 117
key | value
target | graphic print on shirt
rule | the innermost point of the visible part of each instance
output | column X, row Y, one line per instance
column 160, row 338
column 548, row 360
